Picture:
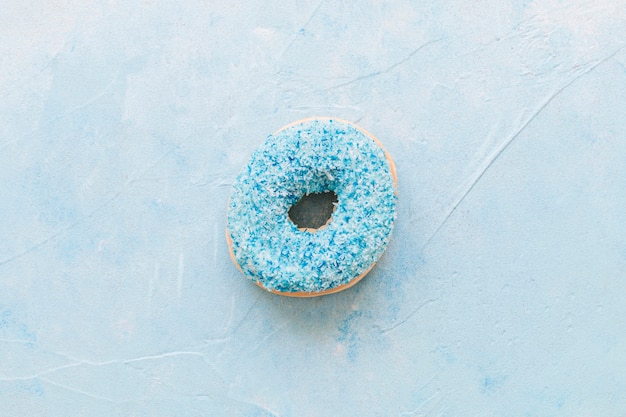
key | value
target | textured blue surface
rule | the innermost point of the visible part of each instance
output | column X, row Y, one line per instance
column 123, row 125
column 308, row 157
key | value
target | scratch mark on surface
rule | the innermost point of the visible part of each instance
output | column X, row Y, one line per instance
column 247, row 313
column 259, row 407
column 154, row 277
column 411, row 314
column 388, row 69
column 216, row 340
column 231, row 314
column 157, row 356
column 92, row 99
column 421, row 405
column 58, row 117
column 78, row 391
column 304, row 25
column 142, row 358
column 499, row 149
column 313, row 14
column 270, row 334
column 5, row 378
column 130, row 362
column 215, row 237
column 181, row 271
column 80, row 362
column 265, row 411
column 87, row 216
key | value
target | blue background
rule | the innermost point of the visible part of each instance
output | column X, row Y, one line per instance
column 124, row 123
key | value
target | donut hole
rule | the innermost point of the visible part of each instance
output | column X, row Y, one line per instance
column 313, row 210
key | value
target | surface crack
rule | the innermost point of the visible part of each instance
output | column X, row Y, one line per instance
column 495, row 154
column 386, row 70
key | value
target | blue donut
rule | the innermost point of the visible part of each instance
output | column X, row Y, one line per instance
column 312, row 156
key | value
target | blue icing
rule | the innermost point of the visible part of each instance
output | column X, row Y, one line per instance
column 312, row 156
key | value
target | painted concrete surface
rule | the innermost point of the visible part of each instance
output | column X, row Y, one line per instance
column 124, row 123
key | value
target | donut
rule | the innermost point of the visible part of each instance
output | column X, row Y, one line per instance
column 311, row 157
